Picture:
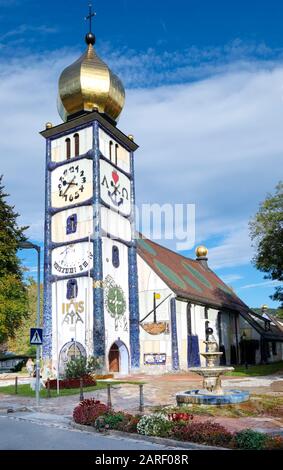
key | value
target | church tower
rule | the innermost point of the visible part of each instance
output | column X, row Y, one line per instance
column 90, row 260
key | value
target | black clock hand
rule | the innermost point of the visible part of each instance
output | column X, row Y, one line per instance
column 69, row 184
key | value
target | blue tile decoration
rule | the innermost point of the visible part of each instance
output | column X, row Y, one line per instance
column 193, row 351
column 133, row 283
column 98, row 303
column 174, row 338
column 196, row 397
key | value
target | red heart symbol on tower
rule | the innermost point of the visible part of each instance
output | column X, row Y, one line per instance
column 115, row 177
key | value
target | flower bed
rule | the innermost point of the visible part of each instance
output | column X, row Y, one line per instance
column 177, row 426
column 88, row 381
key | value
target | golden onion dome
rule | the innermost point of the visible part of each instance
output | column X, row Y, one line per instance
column 87, row 84
column 201, row 251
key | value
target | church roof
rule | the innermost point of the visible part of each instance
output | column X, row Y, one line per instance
column 192, row 280
column 188, row 278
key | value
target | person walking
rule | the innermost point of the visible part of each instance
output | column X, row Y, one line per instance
column 30, row 366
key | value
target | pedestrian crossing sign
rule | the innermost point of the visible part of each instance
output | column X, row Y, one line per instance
column 36, row 336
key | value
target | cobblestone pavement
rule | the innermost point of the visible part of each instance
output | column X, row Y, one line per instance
column 158, row 390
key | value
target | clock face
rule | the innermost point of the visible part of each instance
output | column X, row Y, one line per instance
column 115, row 188
column 71, row 183
column 72, row 259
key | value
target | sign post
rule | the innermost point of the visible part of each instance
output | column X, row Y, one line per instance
column 28, row 245
column 36, row 340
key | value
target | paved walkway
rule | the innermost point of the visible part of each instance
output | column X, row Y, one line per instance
column 160, row 391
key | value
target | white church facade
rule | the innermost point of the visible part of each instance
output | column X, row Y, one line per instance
column 131, row 303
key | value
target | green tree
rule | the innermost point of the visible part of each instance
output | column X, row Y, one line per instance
column 13, row 293
column 266, row 230
column 20, row 344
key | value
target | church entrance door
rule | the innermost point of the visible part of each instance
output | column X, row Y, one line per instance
column 114, row 358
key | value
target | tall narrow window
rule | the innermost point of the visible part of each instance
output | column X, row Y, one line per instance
column 77, row 144
column 71, row 225
column 68, row 148
column 206, row 313
column 116, row 154
column 115, row 256
column 72, row 289
column 274, row 348
column 110, row 150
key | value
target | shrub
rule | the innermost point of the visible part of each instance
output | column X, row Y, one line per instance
column 80, row 367
column 249, row 439
column 111, row 420
column 88, row 411
column 205, row 433
column 117, row 420
column 131, row 425
column 274, row 443
column 154, row 425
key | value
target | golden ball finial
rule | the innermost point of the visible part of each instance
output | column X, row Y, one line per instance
column 131, row 137
column 201, row 251
column 48, row 125
column 264, row 307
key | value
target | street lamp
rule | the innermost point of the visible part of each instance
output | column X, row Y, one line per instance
column 26, row 245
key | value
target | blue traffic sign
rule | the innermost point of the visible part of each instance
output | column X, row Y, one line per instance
column 36, row 336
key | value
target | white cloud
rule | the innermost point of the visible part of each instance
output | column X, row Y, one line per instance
column 261, row 284
column 216, row 142
column 231, row 278
column 235, row 250
column 25, row 28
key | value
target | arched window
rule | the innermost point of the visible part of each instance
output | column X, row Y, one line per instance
column 110, row 150
column 115, row 256
column 68, row 148
column 71, row 225
column 72, row 289
column 77, row 144
column 116, row 154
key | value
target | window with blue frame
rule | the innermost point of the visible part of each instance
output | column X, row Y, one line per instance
column 72, row 289
column 71, row 225
column 115, row 256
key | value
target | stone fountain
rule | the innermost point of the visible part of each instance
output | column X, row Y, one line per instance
column 211, row 392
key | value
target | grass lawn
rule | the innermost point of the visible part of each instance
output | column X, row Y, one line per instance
column 24, row 390
column 257, row 370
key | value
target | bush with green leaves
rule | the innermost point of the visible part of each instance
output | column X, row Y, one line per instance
column 111, row 420
column 250, row 440
column 81, row 366
column 154, row 425
column 118, row 420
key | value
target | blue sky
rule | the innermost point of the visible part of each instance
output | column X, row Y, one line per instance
column 204, row 85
